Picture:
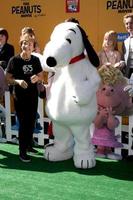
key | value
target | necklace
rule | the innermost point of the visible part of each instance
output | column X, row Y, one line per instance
column 106, row 56
column 25, row 57
column 110, row 56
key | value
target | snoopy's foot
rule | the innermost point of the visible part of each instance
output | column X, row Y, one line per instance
column 84, row 161
column 53, row 154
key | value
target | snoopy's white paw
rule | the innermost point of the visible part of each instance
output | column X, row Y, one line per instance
column 75, row 99
column 53, row 154
column 84, row 161
column 80, row 101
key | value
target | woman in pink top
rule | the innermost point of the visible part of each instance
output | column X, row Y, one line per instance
column 109, row 55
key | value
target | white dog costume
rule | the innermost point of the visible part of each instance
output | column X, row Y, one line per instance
column 71, row 104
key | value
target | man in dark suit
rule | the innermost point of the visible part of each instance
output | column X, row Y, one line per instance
column 6, row 50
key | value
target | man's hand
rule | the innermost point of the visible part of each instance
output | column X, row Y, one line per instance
column 129, row 89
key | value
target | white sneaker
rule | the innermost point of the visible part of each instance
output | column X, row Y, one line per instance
column 114, row 156
column 3, row 140
column 15, row 140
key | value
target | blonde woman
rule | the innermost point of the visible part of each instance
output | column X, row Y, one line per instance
column 109, row 55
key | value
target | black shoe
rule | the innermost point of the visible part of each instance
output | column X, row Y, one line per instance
column 25, row 158
column 31, row 150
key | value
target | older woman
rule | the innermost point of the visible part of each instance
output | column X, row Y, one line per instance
column 24, row 71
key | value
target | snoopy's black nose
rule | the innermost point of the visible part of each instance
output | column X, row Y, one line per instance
column 51, row 62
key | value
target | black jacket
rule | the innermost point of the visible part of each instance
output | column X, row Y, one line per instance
column 6, row 53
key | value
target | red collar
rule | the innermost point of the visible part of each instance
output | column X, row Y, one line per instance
column 77, row 58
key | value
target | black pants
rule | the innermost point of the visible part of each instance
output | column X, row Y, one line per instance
column 130, row 72
column 26, row 109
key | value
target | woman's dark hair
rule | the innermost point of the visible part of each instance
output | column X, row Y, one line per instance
column 4, row 32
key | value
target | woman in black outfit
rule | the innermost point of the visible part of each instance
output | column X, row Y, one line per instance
column 6, row 49
column 24, row 71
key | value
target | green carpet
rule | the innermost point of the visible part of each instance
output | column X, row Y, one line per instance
column 43, row 180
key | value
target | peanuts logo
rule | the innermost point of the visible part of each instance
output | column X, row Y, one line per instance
column 121, row 6
column 27, row 10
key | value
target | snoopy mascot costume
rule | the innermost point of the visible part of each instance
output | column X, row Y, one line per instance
column 71, row 103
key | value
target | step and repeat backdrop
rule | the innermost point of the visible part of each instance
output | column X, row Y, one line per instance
column 95, row 16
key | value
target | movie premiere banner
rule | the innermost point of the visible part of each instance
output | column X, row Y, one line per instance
column 96, row 16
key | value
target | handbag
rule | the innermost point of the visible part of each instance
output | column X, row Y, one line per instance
column 41, row 90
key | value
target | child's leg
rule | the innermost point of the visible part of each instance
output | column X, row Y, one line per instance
column 100, row 151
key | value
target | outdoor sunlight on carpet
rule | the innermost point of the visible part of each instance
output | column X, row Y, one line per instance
column 43, row 180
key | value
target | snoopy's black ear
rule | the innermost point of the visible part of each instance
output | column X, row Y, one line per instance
column 93, row 57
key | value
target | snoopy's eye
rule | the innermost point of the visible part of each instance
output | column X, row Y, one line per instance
column 69, row 41
column 112, row 90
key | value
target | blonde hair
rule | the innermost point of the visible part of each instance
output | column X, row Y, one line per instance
column 111, row 75
column 113, row 36
column 127, row 16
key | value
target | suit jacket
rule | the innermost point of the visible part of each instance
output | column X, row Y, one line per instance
column 125, row 50
column 6, row 53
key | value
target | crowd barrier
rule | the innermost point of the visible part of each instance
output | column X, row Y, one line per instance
column 125, row 132
column 41, row 137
